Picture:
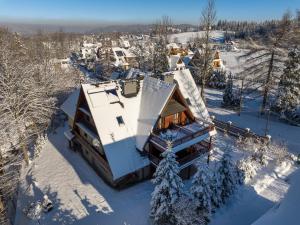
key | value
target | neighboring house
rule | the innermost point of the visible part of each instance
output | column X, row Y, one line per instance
column 176, row 62
column 122, row 127
column 218, row 62
column 124, row 58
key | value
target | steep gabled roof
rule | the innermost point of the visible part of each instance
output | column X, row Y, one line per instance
column 155, row 94
column 106, row 104
column 190, row 91
column 125, row 124
column 69, row 106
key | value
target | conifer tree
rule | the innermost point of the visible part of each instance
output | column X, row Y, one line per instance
column 228, row 95
column 168, row 189
column 227, row 173
column 289, row 86
column 201, row 189
column 216, row 184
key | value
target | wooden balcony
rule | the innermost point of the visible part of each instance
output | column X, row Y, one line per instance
column 187, row 160
column 186, row 136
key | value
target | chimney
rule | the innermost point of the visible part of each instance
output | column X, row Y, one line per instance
column 130, row 88
column 167, row 77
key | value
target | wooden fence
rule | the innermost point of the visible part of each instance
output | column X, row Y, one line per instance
column 233, row 130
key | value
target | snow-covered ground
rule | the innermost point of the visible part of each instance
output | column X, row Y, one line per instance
column 287, row 211
column 187, row 36
column 250, row 118
column 78, row 193
column 81, row 197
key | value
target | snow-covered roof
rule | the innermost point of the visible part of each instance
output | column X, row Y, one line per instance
column 155, row 94
column 118, row 140
column 172, row 45
column 69, row 106
column 174, row 62
column 189, row 90
column 138, row 115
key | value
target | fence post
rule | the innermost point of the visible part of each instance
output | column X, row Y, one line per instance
column 229, row 123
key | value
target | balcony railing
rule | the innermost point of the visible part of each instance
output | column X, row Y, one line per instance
column 162, row 143
column 201, row 148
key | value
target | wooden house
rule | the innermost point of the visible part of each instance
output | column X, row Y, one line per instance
column 122, row 127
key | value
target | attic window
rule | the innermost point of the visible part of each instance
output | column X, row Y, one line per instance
column 120, row 120
column 188, row 101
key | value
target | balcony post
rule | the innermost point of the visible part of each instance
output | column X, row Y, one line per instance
column 209, row 150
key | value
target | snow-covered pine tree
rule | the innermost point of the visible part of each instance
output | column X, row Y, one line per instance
column 216, row 188
column 227, row 173
column 168, row 189
column 228, row 95
column 187, row 215
column 201, row 189
column 289, row 87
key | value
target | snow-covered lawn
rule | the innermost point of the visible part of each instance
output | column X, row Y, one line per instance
column 255, row 198
column 187, row 36
column 250, row 118
column 81, row 197
column 78, row 193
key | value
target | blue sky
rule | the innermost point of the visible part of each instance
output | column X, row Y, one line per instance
column 139, row 11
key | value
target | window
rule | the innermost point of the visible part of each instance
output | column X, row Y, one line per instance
column 188, row 101
column 120, row 120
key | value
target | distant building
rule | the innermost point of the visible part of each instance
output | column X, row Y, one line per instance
column 218, row 62
column 122, row 127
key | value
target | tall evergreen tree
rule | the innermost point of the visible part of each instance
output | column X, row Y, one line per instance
column 228, row 96
column 216, row 187
column 227, row 174
column 289, row 86
column 168, row 189
column 201, row 189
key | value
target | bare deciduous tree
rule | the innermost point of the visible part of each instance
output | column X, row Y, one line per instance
column 208, row 18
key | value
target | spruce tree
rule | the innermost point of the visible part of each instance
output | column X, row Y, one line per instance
column 227, row 173
column 228, row 96
column 168, row 189
column 289, row 87
column 201, row 189
column 216, row 187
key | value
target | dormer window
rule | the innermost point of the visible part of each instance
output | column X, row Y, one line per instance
column 120, row 120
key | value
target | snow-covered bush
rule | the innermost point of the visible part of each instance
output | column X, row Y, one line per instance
column 278, row 152
column 168, row 189
column 260, row 155
column 246, row 169
column 186, row 212
column 201, row 189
